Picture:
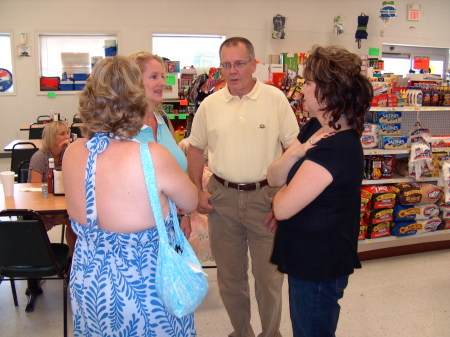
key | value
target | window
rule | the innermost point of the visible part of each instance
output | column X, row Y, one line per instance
column 72, row 53
column 200, row 51
column 399, row 64
column 437, row 67
column 399, row 59
column 6, row 64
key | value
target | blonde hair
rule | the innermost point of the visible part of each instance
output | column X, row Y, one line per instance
column 114, row 99
column 49, row 134
column 141, row 58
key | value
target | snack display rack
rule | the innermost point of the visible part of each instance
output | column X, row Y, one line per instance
column 392, row 245
column 437, row 119
column 398, row 179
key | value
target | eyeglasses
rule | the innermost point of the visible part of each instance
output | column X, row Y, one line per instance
column 237, row 64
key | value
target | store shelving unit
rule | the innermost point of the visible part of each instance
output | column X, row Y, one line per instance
column 179, row 118
column 392, row 245
column 398, row 179
column 410, row 108
column 437, row 119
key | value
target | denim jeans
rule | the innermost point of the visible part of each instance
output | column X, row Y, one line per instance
column 314, row 306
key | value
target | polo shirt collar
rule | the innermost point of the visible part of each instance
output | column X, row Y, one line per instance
column 159, row 120
column 251, row 95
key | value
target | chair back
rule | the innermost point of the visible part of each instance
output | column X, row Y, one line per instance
column 76, row 128
column 77, row 119
column 36, row 130
column 22, row 174
column 21, row 155
column 44, row 119
column 24, row 244
column 26, row 253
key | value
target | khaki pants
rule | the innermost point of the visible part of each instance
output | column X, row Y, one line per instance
column 236, row 226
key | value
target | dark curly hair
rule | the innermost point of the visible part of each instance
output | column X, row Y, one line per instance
column 114, row 99
column 340, row 86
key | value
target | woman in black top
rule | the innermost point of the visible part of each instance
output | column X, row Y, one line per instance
column 318, row 205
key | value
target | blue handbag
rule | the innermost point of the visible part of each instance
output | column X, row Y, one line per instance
column 180, row 281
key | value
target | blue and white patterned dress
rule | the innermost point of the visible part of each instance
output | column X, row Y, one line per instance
column 112, row 282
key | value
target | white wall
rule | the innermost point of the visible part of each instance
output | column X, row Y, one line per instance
column 308, row 22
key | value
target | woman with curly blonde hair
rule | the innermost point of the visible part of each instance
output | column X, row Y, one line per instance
column 112, row 280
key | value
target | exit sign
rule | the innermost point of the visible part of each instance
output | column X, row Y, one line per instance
column 413, row 15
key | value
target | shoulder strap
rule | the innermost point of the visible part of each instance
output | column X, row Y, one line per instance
column 97, row 144
column 150, row 182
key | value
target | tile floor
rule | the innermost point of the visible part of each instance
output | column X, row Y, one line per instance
column 405, row 296
column 393, row 297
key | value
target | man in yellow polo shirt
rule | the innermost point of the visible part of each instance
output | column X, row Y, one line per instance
column 244, row 126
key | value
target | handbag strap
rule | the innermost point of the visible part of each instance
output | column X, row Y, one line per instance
column 150, row 181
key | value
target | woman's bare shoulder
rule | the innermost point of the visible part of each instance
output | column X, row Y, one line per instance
column 77, row 145
column 75, row 151
column 158, row 149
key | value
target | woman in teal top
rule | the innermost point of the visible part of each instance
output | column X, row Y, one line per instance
column 164, row 137
column 155, row 128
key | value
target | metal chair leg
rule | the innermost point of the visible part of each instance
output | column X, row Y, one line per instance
column 63, row 228
column 14, row 293
column 65, row 284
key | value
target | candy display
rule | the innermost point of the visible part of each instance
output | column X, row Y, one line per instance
column 379, row 167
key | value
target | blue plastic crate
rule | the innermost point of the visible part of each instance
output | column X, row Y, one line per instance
column 80, row 77
column 66, row 85
column 110, row 51
column 79, row 85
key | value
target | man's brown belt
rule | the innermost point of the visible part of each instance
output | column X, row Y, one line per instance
column 242, row 187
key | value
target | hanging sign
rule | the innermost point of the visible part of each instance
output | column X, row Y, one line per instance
column 413, row 15
column 414, row 12
column 6, row 80
column 171, row 79
column 374, row 51
column 421, row 63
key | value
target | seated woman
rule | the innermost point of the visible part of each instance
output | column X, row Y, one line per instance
column 108, row 202
column 55, row 139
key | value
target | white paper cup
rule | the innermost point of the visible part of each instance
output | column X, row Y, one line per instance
column 8, row 183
